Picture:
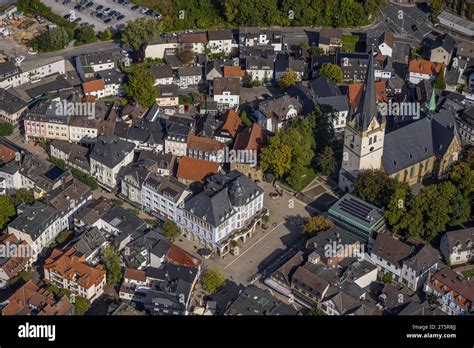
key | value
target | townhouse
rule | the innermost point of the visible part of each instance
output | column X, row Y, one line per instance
column 195, row 42
column 16, row 257
column 247, row 147
column 457, row 246
column 221, row 41
column 442, row 49
column 167, row 96
column 68, row 271
column 353, row 65
column 330, row 39
column 73, row 155
column 108, row 156
column 158, row 47
column 11, row 107
column 228, row 211
column 163, row 74
column 189, row 76
column 277, row 113
column 193, row 170
column 228, row 126
column 10, row 178
column 419, row 69
column 261, row 69
column 205, row 149
column 87, row 64
column 284, row 63
column 226, row 92
column 113, row 82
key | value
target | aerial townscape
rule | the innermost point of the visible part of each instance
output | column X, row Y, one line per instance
column 236, row 157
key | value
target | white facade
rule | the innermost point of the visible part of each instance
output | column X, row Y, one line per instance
column 220, row 46
column 154, row 51
column 108, row 176
column 35, row 73
column 340, row 121
column 230, row 100
column 385, row 49
column 159, row 204
column 80, row 133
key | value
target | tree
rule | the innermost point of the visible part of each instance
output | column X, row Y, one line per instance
column 276, row 157
column 462, row 176
column 140, row 31
column 288, row 79
column 396, row 210
column 212, row 281
column 105, row 35
column 375, row 187
column 111, row 261
column 7, row 210
column 85, row 35
column 316, row 224
column 81, row 305
column 332, row 72
column 245, row 119
column 140, row 86
column 247, row 81
column 439, row 82
column 52, row 40
column 436, row 8
column 170, row 230
column 186, row 56
column 23, row 196
column 315, row 51
column 326, row 163
column 6, row 129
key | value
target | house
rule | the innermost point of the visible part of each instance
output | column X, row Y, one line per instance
column 353, row 65
column 419, row 69
column 226, row 92
column 95, row 88
column 74, row 155
column 145, row 135
column 465, row 51
column 158, row 163
column 257, row 37
column 132, row 279
column 205, row 149
column 68, row 200
column 38, row 225
column 167, row 96
column 10, row 161
column 228, row 126
column 191, row 169
column 330, row 39
column 189, row 76
column 383, row 67
column 16, row 257
column 89, row 245
column 261, row 69
column 228, row 210
column 457, row 246
column 108, row 156
column 161, row 196
column 170, row 289
column 385, row 43
column 220, row 41
column 278, row 112
column 465, row 123
column 66, row 270
column 163, row 74
column 30, row 299
column 132, row 178
column 442, row 49
column 113, row 82
column 233, row 71
column 247, row 146
column 284, row 63
column 255, row 301
column 212, row 70
column 176, row 135
column 11, row 107
column 83, row 129
column 165, row 252
column 195, row 42
column 454, row 294
column 339, row 105
column 94, row 62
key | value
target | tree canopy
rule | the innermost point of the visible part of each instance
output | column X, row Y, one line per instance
column 52, row 39
column 288, row 79
column 111, row 261
column 84, row 35
column 140, row 31
column 170, row 229
column 7, row 210
column 140, row 86
column 212, row 280
column 332, row 72
column 316, row 224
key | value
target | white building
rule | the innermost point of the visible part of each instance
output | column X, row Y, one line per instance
column 157, row 48
column 220, row 41
column 458, row 246
column 226, row 92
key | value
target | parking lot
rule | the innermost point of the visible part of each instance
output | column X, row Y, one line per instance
column 88, row 13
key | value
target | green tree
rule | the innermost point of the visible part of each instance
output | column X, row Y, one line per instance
column 375, row 187
column 52, row 40
column 276, row 157
column 440, row 82
column 81, row 305
column 111, row 261
column 396, row 210
column 140, row 86
column 140, row 31
column 245, row 119
column 325, row 161
column 247, row 80
column 105, row 35
column 85, row 35
column 186, row 56
column 7, row 210
column 212, row 280
column 332, row 72
column 6, row 129
column 288, row 79
column 462, row 176
column 436, row 8
column 23, row 196
column 315, row 51
column 317, row 224
column 170, row 230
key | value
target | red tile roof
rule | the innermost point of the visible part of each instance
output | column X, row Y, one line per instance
column 204, row 144
column 251, row 138
column 233, row 71
column 134, row 274
column 179, row 256
column 196, row 169
column 231, row 122
column 421, row 66
column 93, row 86
column 355, row 91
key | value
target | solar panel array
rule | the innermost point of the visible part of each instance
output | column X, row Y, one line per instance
column 356, row 208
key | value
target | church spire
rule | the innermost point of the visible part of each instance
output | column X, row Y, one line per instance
column 367, row 108
column 432, row 102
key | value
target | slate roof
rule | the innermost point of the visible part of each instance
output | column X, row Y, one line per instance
column 218, row 35
column 444, row 41
column 338, row 103
column 323, row 87
column 34, row 219
column 226, row 84
column 9, row 102
column 89, row 241
column 190, row 71
column 424, row 258
column 161, row 71
column 462, row 239
column 111, row 150
column 279, row 107
column 391, row 249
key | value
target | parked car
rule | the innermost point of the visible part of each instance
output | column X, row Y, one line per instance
column 149, row 12
column 67, row 16
column 144, row 10
column 77, row 20
column 134, row 8
column 107, row 20
column 106, row 11
column 90, row 4
column 414, row 27
column 98, row 8
column 40, row 19
column 119, row 18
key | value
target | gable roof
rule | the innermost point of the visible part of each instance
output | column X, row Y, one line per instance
column 421, row 66
column 391, row 249
column 93, row 86
column 231, row 123
column 204, row 144
column 233, row 71
column 444, row 41
column 161, row 71
column 250, row 138
column 195, row 169
column 226, row 84
column 110, row 150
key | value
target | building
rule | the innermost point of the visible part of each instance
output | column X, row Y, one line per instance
column 353, row 65
column 465, row 122
column 255, row 301
column 38, row 225
column 90, row 63
column 277, row 113
column 162, row 195
column 247, row 146
column 89, row 245
column 419, row 69
column 261, row 69
column 95, row 88
column 228, row 209
column 158, row 47
column 330, row 39
column 189, row 76
column 163, row 74
column 10, row 161
column 284, row 63
column 167, row 96
column 176, row 135
column 457, row 24
column 457, row 246
column 442, row 49
column 226, row 92
column 113, row 82
column 212, row 70
column 74, row 155
column 357, row 216
column 108, row 156
column 193, row 41
column 220, row 41
column 205, row 149
column 33, row 300
column 11, row 107
column 68, row 271
column 228, row 127
column 385, row 43
column 16, row 257
column 452, row 293
column 192, row 170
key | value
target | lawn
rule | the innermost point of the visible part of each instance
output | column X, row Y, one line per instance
column 468, row 273
column 349, row 43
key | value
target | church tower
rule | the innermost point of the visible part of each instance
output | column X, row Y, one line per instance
column 364, row 135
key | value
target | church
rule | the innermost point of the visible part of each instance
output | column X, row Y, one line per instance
column 423, row 148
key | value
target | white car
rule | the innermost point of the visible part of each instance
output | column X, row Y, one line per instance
column 124, row 53
column 143, row 10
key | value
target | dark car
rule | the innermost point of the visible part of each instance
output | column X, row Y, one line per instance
column 108, row 20
column 67, row 16
column 134, row 8
column 149, row 12
column 89, row 4
column 119, row 18
column 77, row 7
column 112, row 13
column 414, row 27
column 77, row 20
column 100, row 7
